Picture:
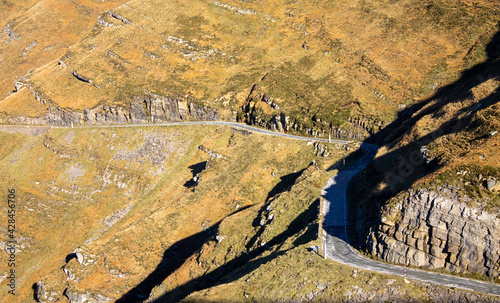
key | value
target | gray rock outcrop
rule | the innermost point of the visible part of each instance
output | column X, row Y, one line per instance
column 147, row 109
column 437, row 228
column 75, row 297
column 252, row 113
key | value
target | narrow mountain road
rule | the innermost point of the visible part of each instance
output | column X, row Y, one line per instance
column 166, row 124
column 336, row 241
column 335, row 208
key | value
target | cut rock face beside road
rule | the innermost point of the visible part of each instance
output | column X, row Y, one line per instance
column 436, row 228
column 151, row 108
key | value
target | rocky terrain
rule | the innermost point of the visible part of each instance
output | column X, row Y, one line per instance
column 124, row 195
column 141, row 110
column 439, row 229
column 281, row 65
column 431, row 195
column 212, row 213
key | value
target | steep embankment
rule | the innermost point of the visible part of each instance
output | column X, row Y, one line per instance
column 431, row 195
column 150, row 108
column 316, row 67
column 434, row 228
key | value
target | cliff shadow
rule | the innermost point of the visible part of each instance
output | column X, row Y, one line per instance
column 285, row 184
column 195, row 170
column 173, row 258
column 451, row 93
column 250, row 261
column 407, row 162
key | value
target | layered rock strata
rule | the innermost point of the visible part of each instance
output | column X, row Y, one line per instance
column 437, row 228
column 146, row 109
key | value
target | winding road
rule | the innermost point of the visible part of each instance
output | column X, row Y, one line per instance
column 336, row 241
column 166, row 124
column 335, row 209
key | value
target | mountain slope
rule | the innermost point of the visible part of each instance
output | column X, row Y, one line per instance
column 344, row 68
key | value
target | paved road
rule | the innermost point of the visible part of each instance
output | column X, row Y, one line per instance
column 335, row 208
column 232, row 124
column 338, row 249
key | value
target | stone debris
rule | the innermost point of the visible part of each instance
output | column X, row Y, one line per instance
column 80, row 77
column 116, row 216
column 75, row 297
column 491, row 184
column 7, row 29
column 213, row 155
column 321, row 150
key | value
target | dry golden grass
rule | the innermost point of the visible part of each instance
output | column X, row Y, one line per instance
column 53, row 198
column 342, row 59
column 50, row 26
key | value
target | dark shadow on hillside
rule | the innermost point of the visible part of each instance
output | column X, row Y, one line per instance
column 250, row 261
column 398, row 170
column 70, row 257
column 195, row 170
column 285, row 184
column 173, row 258
column 452, row 93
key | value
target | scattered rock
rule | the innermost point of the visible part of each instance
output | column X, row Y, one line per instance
column 80, row 77
column 313, row 248
column 320, row 286
column 118, row 17
column 113, row 218
column 320, row 149
column 491, row 183
column 219, row 238
column 75, row 297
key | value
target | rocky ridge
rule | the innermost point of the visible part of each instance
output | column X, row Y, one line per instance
column 438, row 228
column 252, row 112
column 150, row 108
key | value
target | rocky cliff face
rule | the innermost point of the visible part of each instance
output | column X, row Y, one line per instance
column 151, row 108
column 437, row 228
column 253, row 113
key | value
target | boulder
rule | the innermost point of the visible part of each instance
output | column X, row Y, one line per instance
column 491, row 183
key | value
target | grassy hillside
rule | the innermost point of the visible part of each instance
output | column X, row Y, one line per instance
column 125, row 196
column 220, row 215
column 114, row 214
column 318, row 61
column 37, row 32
